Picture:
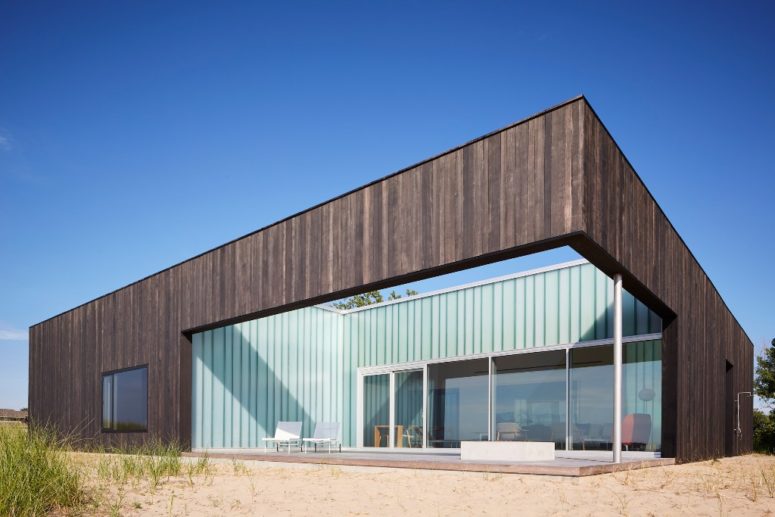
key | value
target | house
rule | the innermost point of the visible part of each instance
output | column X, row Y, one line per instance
column 12, row 415
column 213, row 351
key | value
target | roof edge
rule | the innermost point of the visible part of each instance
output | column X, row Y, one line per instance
column 664, row 214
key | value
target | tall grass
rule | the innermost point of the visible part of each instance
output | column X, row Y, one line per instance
column 36, row 475
column 154, row 461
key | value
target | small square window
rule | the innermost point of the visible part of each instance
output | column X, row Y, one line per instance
column 125, row 400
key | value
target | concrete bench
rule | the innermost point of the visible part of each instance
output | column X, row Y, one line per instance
column 507, row 451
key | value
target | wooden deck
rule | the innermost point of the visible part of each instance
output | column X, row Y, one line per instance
column 562, row 466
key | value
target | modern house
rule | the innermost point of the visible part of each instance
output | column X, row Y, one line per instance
column 12, row 415
column 214, row 351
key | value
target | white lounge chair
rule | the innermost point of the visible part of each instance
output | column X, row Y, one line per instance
column 507, row 431
column 326, row 433
column 286, row 433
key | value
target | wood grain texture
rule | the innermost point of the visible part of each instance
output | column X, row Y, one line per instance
column 633, row 235
column 554, row 179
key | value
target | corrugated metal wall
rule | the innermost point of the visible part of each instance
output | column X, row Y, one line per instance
column 302, row 365
column 248, row 376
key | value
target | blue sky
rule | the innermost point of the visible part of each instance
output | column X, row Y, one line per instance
column 135, row 135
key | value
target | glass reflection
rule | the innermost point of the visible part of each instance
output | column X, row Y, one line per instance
column 642, row 396
column 376, row 411
column 125, row 400
column 531, row 400
column 591, row 397
column 408, row 407
column 458, row 402
column 529, row 397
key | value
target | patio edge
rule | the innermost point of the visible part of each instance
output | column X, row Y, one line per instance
column 453, row 466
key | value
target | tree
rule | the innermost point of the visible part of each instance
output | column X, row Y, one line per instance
column 763, row 432
column 395, row 296
column 764, row 384
column 368, row 298
column 360, row 300
column 764, row 387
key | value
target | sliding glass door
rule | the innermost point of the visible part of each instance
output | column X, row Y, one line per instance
column 393, row 409
column 591, row 397
column 563, row 396
column 376, row 410
column 408, row 409
column 458, row 402
column 529, row 393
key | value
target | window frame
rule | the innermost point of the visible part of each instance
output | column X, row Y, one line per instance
column 103, row 429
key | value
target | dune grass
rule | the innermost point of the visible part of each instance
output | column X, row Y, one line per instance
column 36, row 474
column 40, row 474
column 154, row 461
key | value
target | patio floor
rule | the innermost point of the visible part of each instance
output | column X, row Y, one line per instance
column 566, row 464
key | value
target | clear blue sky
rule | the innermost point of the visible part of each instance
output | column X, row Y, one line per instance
column 135, row 135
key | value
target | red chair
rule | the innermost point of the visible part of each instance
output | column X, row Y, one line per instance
column 636, row 430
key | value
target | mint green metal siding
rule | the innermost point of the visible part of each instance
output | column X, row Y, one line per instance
column 302, row 365
column 248, row 376
column 563, row 306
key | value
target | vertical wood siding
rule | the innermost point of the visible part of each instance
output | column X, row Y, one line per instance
column 632, row 235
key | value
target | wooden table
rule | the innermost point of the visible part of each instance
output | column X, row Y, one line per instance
column 378, row 435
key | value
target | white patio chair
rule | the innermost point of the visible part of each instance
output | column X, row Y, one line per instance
column 326, row 433
column 286, row 433
column 507, row 431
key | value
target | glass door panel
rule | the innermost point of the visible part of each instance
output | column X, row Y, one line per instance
column 642, row 396
column 408, row 403
column 376, row 410
column 529, row 397
column 458, row 402
column 591, row 397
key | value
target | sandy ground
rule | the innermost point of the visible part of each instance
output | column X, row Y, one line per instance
column 733, row 486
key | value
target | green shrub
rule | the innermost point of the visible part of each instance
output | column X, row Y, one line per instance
column 764, row 431
column 36, row 475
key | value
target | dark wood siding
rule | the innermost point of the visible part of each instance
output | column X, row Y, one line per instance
column 701, row 335
column 556, row 178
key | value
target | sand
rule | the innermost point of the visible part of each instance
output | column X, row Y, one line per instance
column 731, row 486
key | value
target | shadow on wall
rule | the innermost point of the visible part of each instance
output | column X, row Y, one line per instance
column 243, row 382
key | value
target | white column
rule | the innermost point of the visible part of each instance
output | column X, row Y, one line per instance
column 425, row 396
column 490, row 409
column 617, row 445
column 392, row 406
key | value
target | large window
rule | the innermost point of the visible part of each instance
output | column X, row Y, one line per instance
column 563, row 396
column 458, row 402
column 529, row 397
column 125, row 400
column 591, row 397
